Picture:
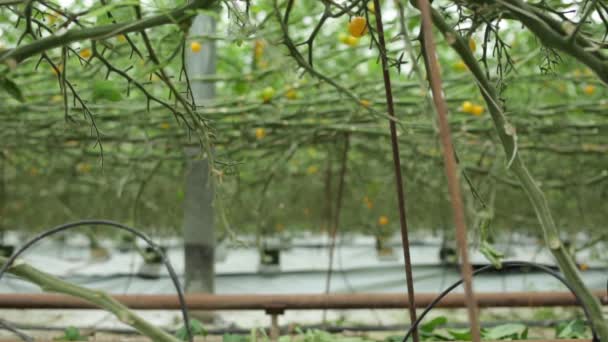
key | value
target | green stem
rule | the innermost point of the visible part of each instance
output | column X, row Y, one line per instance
column 508, row 138
column 50, row 283
column 554, row 35
column 177, row 15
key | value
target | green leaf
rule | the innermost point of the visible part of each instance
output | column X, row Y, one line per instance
column 71, row 334
column 234, row 338
column 439, row 335
column 106, row 90
column 433, row 324
column 427, row 330
column 241, row 87
column 573, row 329
column 460, row 334
column 506, row 332
column 11, row 87
column 196, row 327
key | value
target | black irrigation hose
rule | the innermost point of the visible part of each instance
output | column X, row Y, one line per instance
column 113, row 224
column 505, row 265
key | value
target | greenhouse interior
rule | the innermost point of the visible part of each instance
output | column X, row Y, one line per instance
column 303, row 170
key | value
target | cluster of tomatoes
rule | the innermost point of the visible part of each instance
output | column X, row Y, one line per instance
column 471, row 108
column 357, row 28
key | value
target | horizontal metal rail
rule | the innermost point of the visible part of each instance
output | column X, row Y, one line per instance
column 279, row 303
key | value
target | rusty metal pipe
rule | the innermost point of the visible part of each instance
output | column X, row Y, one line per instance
column 297, row 301
column 449, row 163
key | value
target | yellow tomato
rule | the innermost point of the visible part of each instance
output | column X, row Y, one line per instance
column 352, row 41
column 260, row 133
column 383, row 220
column 589, row 89
column 85, row 53
column 365, row 103
column 121, row 38
column 291, row 94
column 263, row 64
column 343, row 37
column 311, row 170
column 371, row 7
column 258, row 48
column 195, row 47
column 57, row 70
column 368, row 203
column 357, row 26
column 477, row 110
column 467, row 107
column 460, row 66
column 71, row 143
column 164, row 125
column 472, row 45
column 83, row 167
column 51, row 18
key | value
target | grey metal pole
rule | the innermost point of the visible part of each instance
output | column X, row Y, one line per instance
column 198, row 226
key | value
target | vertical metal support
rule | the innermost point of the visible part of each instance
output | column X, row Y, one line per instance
column 336, row 220
column 274, row 327
column 397, row 167
column 198, row 227
column 451, row 168
column 275, row 330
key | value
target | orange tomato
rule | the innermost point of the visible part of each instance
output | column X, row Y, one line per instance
column 357, row 27
column 383, row 220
